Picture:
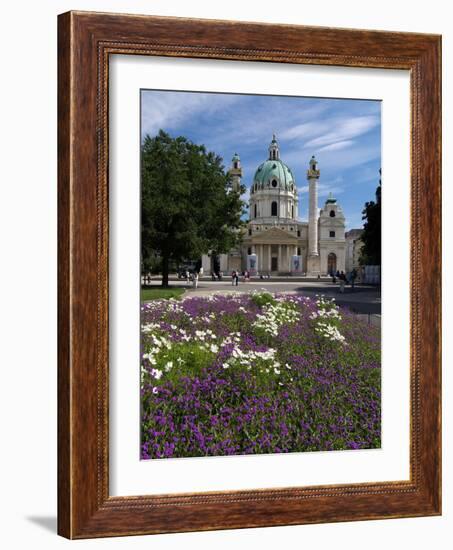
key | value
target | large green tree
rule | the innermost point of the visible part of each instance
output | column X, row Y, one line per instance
column 371, row 235
column 189, row 206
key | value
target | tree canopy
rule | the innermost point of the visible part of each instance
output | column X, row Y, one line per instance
column 371, row 235
column 188, row 204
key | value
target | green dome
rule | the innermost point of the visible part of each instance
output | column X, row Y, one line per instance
column 273, row 174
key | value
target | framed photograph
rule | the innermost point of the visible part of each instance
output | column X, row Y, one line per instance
column 249, row 275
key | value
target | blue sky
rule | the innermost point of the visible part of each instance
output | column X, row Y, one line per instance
column 343, row 134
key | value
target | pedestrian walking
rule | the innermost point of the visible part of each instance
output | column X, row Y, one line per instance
column 342, row 279
column 187, row 277
column 237, row 278
column 233, row 278
column 195, row 280
column 353, row 277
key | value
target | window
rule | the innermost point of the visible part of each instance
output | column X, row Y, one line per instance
column 250, row 231
column 255, row 211
column 331, row 233
column 332, row 214
column 249, row 251
column 298, row 232
column 236, row 164
column 292, row 211
column 298, row 250
column 274, row 208
column 274, row 183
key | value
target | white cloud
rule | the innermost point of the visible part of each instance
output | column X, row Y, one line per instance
column 303, row 130
column 324, row 188
column 337, row 146
column 345, row 129
column 336, row 160
column 169, row 110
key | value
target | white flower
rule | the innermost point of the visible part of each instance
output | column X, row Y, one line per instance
column 156, row 373
column 155, row 391
column 214, row 348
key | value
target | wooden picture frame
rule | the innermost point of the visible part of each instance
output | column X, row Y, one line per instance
column 85, row 41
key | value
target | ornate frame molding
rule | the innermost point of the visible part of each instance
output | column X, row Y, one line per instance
column 86, row 40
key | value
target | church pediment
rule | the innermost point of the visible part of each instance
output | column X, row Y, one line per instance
column 274, row 235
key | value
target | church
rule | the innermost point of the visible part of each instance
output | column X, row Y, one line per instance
column 275, row 240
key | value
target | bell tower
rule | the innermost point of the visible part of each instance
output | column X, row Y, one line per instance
column 235, row 172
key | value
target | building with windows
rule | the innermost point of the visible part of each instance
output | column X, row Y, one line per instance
column 276, row 240
column 354, row 245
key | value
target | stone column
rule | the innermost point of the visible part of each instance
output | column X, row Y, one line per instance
column 279, row 266
column 313, row 217
column 288, row 248
column 313, row 267
column 269, row 256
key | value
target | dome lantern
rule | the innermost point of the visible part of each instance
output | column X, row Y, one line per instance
column 274, row 151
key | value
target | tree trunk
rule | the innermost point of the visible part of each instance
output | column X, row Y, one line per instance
column 165, row 263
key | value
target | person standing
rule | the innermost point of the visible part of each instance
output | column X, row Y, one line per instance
column 233, row 278
column 237, row 278
column 342, row 279
column 187, row 277
column 353, row 277
column 195, row 280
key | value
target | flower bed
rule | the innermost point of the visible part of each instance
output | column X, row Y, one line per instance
column 260, row 373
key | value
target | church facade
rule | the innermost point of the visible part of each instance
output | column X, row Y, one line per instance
column 275, row 240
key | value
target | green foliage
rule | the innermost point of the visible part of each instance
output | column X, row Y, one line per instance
column 188, row 204
column 371, row 235
column 263, row 298
column 154, row 293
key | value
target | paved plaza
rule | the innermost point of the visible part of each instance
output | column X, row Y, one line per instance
column 363, row 299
